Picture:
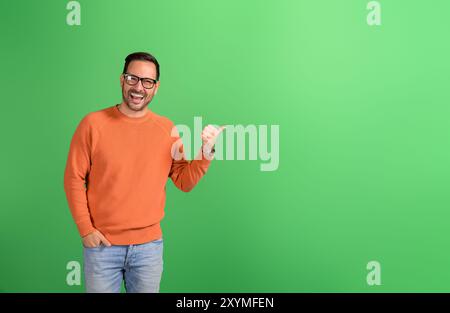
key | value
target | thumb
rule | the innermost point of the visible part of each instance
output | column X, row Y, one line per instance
column 221, row 128
column 103, row 239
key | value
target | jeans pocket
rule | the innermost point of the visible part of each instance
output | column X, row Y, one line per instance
column 100, row 245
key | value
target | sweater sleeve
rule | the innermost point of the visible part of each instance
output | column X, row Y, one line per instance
column 76, row 173
column 186, row 174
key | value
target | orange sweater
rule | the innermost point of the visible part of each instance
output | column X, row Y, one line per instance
column 125, row 163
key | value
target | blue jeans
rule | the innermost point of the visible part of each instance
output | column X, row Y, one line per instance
column 140, row 266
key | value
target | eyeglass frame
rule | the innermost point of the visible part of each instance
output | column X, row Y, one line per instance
column 139, row 79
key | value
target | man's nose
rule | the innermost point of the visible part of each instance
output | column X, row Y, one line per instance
column 139, row 86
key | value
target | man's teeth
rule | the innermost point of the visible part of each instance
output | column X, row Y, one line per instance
column 137, row 95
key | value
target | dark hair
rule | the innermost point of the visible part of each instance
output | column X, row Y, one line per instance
column 144, row 56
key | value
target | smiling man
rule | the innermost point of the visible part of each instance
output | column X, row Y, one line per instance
column 115, row 179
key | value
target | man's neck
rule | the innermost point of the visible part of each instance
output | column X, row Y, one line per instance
column 130, row 113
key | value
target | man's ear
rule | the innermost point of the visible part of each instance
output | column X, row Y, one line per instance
column 121, row 80
column 156, row 87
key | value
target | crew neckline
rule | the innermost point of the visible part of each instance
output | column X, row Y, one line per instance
column 127, row 118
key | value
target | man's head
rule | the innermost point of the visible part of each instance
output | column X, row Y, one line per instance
column 139, row 80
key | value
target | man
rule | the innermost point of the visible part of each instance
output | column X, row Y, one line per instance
column 119, row 161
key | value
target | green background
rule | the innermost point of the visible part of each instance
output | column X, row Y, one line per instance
column 364, row 157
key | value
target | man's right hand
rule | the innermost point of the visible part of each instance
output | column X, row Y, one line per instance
column 95, row 239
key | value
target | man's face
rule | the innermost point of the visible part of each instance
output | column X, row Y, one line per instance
column 137, row 97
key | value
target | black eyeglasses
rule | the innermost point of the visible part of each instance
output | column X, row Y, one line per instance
column 132, row 80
